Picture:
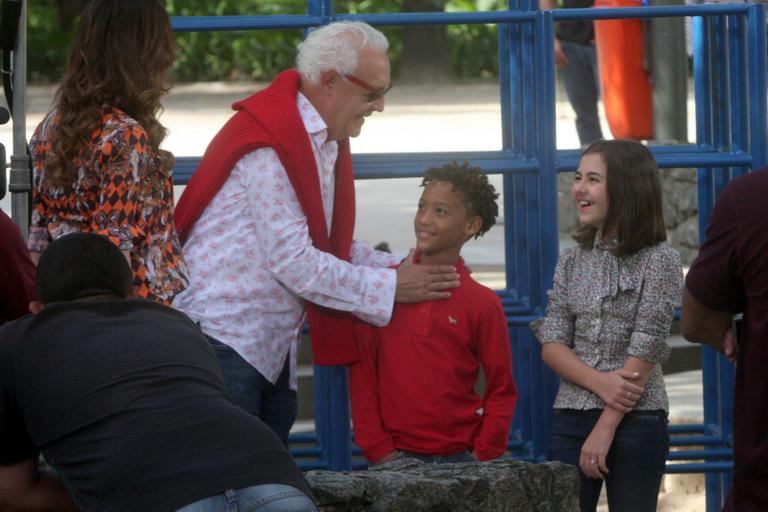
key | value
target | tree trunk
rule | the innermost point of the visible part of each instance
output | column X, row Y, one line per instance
column 424, row 58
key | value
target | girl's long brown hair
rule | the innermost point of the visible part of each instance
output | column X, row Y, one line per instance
column 120, row 58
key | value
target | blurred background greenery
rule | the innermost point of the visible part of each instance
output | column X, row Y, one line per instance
column 418, row 53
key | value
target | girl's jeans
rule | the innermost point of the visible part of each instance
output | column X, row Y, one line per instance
column 635, row 460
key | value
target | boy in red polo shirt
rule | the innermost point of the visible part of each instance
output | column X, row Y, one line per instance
column 412, row 391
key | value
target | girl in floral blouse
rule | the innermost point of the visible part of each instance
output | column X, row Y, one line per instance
column 98, row 166
column 609, row 314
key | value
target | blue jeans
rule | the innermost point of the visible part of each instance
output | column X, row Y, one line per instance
column 582, row 86
column 276, row 404
column 261, row 498
column 635, row 461
column 439, row 459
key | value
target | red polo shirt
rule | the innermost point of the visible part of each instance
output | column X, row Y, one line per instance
column 413, row 388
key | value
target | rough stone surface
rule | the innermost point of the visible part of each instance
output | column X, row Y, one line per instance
column 408, row 485
column 679, row 203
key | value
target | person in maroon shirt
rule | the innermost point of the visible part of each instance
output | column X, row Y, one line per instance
column 729, row 276
column 412, row 391
column 17, row 272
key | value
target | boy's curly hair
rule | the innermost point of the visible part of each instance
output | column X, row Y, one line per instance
column 478, row 195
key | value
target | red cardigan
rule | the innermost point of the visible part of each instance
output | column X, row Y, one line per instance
column 270, row 118
column 413, row 386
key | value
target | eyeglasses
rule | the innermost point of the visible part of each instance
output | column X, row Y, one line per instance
column 373, row 94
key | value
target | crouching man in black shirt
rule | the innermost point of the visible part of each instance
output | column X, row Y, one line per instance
column 124, row 399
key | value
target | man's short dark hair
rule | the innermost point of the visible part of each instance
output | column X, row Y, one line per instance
column 80, row 265
column 477, row 194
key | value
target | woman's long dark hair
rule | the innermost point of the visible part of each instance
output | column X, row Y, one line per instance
column 635, row 216
column 120, row 57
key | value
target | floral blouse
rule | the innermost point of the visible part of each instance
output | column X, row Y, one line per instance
column 607, row 308
column 118, row 192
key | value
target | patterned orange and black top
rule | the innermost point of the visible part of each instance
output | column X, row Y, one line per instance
column 119, row 192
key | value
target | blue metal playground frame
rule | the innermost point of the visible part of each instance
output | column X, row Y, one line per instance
column 729, row 66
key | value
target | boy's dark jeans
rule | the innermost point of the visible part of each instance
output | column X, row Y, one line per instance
column 635, row 461
column 276, row 404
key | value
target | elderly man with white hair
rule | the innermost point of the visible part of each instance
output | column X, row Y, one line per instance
column 267, row 223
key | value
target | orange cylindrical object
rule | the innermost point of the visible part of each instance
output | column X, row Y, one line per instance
column 626, row 84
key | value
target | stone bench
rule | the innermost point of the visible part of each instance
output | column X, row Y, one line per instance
column 408, row 485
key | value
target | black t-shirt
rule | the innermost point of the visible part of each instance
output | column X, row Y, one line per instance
column 576, row 31
column 125, row 399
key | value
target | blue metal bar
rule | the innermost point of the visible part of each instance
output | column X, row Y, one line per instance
column 441, row 18
column 713, row 453
column 758, row 84
column 666, row 11
column 697, row 440
column 703, row 467
column 322, row 16
column 505, row 86
column 412, row 165
column 687, row 428
column 339, row 456
column 738, row 89
column 230, row 23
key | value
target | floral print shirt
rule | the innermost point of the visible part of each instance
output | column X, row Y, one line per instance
column 120, row 192
column 253, row 264
column 607, row 308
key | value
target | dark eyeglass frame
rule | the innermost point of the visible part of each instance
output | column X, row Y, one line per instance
column 373, row 94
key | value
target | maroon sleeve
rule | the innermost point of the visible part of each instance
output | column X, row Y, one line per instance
column 17, row 272
column 364, row 396
column 713, row 278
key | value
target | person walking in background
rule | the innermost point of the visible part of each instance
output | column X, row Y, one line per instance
column 267, row 223
column 576, row 58
column 97, row 162
column 729, row 276
column 412, row 392
column 17, row 272
column 610, row 310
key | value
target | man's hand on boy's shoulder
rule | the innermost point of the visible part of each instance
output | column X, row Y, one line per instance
column 418, row 283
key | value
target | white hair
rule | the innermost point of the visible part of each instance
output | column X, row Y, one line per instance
column 336, row 47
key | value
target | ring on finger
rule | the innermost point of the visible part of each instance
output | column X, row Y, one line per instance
column 592, row 461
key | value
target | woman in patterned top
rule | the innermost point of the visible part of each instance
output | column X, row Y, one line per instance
column 609, row 314
column 98, row 166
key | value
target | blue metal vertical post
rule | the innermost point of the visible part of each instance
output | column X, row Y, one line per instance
column 548, row 236
column 758, row 84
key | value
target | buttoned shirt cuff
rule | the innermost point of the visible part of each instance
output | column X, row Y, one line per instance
column 378, row 303
column 648, row 347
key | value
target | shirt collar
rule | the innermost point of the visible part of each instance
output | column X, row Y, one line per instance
column 609, row 246
column 312, row 120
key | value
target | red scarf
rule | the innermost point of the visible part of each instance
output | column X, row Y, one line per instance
column 270, row 118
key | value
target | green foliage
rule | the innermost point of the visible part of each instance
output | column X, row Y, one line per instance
column 257, row 55
column 47, row 44
column 260, row 54
column 474, row 48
